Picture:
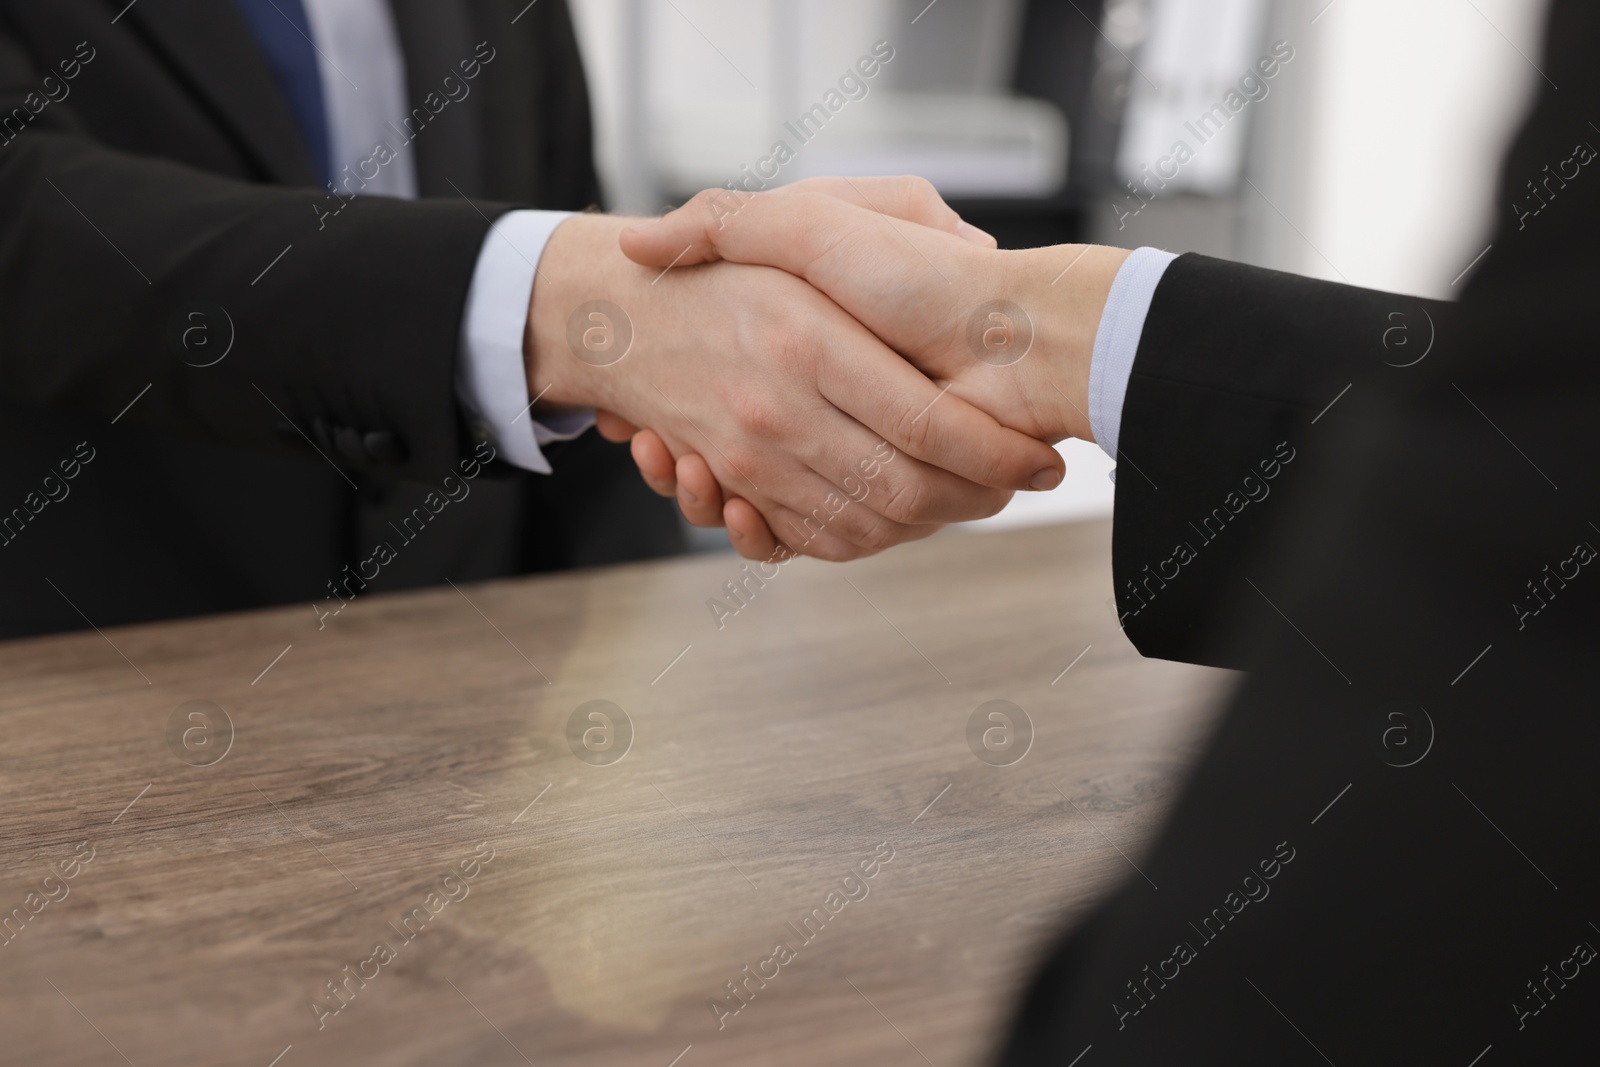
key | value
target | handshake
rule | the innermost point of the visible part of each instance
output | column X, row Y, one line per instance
column 828, row 369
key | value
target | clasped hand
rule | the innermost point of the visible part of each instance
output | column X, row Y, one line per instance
column 829, row 369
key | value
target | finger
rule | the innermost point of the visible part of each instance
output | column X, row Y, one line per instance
column 888, row 482
column 805, row 508
column 699, row 494
column 749, row 534
column 801, row 496
column 812, row 512
column 802, row 536
column 613, row 428
column 883, row 271
column 894, row 399
column 654, row 462
column 903, row 197
column 968, row 232
column 691, row 234
column 910, row 198
column 846, row 490
column 949, row 433
column 908, row 491
column 753, row 539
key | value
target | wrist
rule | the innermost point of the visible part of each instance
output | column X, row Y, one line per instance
column 1064, row 290
column 577, row 327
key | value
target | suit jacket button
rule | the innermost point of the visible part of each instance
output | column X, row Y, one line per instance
column 384, row 447
column 348, row 442
column 321, row 433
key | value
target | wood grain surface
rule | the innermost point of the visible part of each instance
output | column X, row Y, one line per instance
column 182, row 882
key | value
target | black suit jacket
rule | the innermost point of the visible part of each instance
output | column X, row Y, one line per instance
column 1388, row 853
column 157, row 204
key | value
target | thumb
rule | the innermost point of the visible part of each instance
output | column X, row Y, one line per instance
column 683, row 237
column 692, row 233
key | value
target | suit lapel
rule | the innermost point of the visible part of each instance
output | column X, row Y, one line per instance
column 211, row 44
column 209, row 41
column 435, row 38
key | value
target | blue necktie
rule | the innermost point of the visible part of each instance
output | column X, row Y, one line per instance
column 284, row 33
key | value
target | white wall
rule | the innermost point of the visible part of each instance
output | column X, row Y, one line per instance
column 703, row 58
column 1412, row 107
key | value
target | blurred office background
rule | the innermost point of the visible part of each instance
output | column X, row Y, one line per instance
column 1369, row 157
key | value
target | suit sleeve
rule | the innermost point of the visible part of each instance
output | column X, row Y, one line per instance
column 1237, row 382
column 349, row 321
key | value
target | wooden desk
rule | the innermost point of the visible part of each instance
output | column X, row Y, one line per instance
column 769, row 759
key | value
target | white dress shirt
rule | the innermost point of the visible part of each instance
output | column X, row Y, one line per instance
column 1116, row 341
column 364, row 91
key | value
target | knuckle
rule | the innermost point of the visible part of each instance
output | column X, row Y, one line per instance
column 701, row 205
column 745, row 458
column 739, row 471
column 994, row 502
column 973, row 502
column 758, row 416
column 908, row 501
column 923, row 198
column 830, row 550
column 913, row 429
column 988, row 472
column 992, row 458
column 706, row 198
column 835, row 537
column 714, row 208
column 881, row 535
column 792, row 336
column 872, row 532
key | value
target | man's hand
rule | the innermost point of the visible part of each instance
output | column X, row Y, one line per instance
column 1010, row 331
column 792, row 403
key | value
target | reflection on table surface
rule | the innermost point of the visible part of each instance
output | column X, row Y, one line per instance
column 570, row 820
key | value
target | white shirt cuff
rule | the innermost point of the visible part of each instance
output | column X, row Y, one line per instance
column 1116, row 341
column 490, row 377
